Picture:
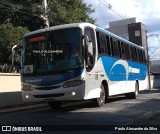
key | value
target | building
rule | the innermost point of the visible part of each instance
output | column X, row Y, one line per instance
column 130, row 30
column 155, row 67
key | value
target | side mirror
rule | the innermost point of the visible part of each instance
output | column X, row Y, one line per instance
column 89, row 45
column 89, row 51
column 16, row 49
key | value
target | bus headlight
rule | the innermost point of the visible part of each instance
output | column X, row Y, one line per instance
column 26, row 87
column 73, row 83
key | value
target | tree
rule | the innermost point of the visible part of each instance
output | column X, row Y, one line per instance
column 27, row 13
column 21, row 13
column 69, row 11
column 9, row 35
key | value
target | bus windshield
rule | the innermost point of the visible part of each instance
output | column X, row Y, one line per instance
column 52, row 51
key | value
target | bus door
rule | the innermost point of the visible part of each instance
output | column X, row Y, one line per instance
column 90, row 56
column 89, row 48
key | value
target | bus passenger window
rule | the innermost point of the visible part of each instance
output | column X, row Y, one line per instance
column 108, row 46
column 139, row 53
column 115, row 47
column 136, row 55
column 133, row 53
column 102, row 46
column 128, row 52
column 111, row 44
column 123, row 52
column 144, row 57
column 120, row 49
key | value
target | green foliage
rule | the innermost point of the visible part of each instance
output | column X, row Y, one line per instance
column 27, row 13
column 9, row 35
column 72, row 11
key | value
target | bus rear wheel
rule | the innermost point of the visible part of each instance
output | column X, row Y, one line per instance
column 134, row 94
column 99, row 102
column 55, row 104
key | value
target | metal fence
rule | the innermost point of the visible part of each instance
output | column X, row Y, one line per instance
column 8, row 69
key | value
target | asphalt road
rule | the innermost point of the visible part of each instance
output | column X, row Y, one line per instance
column 119, row 111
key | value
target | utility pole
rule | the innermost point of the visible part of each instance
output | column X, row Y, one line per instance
column 148, row 62
column 148, row 65
column 44, row 16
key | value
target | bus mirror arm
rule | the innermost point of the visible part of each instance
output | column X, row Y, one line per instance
column 15, row 49
column 85, row 37
column 89, row 50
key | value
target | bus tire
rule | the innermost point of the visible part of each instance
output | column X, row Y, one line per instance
column 55, row 104
column 134, row 94
column 99, row 102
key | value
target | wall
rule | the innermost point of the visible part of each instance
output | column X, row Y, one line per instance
column 10, row 89
column 155, row 81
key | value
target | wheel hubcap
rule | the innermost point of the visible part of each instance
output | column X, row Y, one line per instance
column 102, row 96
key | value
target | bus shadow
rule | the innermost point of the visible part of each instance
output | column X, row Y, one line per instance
column 116, row 98
column 69, row 107
column 150, row 91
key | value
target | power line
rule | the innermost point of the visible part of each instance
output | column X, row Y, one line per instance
column 157, row 47
column 109, row 6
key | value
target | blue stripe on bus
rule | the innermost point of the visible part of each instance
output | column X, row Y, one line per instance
column 50, row 80
column 122, row 70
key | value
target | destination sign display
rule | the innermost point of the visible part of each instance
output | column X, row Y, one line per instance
column 38, row 38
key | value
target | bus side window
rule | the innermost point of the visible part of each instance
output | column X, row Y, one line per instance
column 133, row 53
column 111, row 44
column 136, row 55
column 98, row 42
column 123, row 51
column 128, row 54
column 120, row 49
column 140, row 57
column 101, row 40
column 108, row 46
column 115, row 47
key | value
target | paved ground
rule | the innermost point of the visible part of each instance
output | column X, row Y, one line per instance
column 118, row 112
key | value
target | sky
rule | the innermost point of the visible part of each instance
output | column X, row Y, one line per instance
column 145, row 11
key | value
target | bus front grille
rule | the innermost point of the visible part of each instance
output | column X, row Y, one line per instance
column 49, row 95
column 47, row 88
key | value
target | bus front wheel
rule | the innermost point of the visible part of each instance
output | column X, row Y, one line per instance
column 99, row 102
column 55, row 104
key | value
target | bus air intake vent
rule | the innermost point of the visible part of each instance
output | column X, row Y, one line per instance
column 46, row 88
column 49, row 95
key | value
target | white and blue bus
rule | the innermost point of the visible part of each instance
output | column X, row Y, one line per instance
column 80, row 62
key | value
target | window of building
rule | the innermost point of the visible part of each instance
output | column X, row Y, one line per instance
column 137, row 33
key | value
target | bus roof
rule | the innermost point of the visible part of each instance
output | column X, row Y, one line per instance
column 82, row 24
column 60, row 27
